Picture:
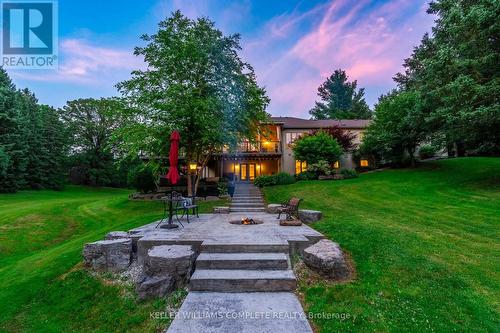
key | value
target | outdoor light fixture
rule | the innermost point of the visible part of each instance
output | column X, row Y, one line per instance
column 192, row 166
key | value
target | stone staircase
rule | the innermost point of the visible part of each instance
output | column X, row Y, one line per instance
column 247, row 198
column 243, row 268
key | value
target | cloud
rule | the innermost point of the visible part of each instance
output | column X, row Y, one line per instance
column 368, row 41
column 83, row 63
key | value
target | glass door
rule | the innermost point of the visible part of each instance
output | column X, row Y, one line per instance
column 251, row 171
column 243, row 170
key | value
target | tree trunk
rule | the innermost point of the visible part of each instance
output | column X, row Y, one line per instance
column 189, row 185
column 411, row 152
column 203, row 164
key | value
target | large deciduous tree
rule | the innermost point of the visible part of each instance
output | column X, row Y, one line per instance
column 397, row 129
column 340, row 99
column 195, row 83
column 92, row 123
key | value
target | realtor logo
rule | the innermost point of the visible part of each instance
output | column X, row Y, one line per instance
column 29, row 34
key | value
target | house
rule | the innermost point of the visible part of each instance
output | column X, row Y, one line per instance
column 273, row 153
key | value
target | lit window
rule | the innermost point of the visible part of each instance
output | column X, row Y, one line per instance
column 336, row 165
column 300, row 167
column 363, row 163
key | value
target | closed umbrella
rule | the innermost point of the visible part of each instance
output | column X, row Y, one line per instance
column 173, row 173
column 173, row 157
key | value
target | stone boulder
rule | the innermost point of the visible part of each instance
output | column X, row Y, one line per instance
column 166, row 267
column 108, row 255
column 273, row 208
column 327, row 258
column 116, row 235
column 309, row 216
column 156, row 286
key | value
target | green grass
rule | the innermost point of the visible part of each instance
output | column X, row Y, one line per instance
column 43, row 287
column 425, row 242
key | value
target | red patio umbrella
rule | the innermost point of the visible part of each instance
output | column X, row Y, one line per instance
column 173, row 157
column 172, row 176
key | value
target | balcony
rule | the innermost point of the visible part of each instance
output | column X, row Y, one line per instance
column 263, row 147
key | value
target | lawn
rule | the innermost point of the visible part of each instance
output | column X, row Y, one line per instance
column 43, row 287
column 425, row 242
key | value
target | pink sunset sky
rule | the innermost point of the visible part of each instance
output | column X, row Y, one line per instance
column 293, row 45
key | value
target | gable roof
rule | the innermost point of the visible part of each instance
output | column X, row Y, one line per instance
column 299, row 123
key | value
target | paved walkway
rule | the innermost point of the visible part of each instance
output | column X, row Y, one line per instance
column 243, row 280
column 209, row 312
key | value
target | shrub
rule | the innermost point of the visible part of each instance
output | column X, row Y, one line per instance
column 142, row 179
column 348, row 173
column 262, row 181
column 306, row 175
column 283, row 178
column 317, row 147
column 427, row 151
column 222, row 188
column 321, row 168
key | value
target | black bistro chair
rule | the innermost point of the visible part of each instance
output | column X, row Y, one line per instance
column 185, row 205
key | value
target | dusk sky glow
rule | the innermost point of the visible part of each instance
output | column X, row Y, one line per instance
column 293, row 45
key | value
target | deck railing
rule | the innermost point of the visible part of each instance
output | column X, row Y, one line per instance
column 272, row 147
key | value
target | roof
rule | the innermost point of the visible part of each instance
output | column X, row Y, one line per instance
column 299, row 123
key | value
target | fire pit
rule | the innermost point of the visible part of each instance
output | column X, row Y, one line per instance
column 246, row 221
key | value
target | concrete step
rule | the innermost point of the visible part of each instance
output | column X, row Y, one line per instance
column 247, row 195
column 254, row 202
column 259, row 198
column 247, row 204
column 231, row 280
column 274, row 247
column 271, row 261
column 246, row 210
column 248, row 199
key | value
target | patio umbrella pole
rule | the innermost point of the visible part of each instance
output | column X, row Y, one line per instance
column 170, row 224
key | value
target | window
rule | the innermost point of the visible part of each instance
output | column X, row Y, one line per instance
column 300, row 166
column 363, row 163
column 336, row 165
column 291, row 137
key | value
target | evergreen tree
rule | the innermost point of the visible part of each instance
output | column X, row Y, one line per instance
column 12, row 147
column 456, row 71
column 340, row 99
column 32, row 141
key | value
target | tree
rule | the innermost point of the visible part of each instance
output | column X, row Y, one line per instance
column 456, row 73
column 32, row 141
column 344, row 137
column 195, row 83
column 92, row 123
column 397, row 129
column 340, row 99
column 315, row 148
column 12, row 145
